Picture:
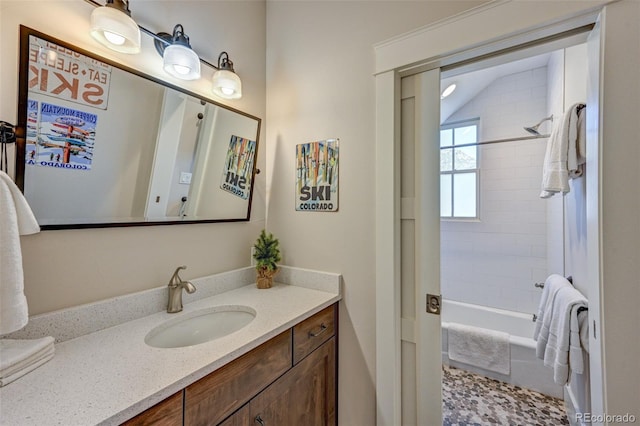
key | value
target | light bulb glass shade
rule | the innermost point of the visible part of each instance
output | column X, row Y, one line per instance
column 449, row 90
column 181, row 62
column 227, row 84
column 115, row 30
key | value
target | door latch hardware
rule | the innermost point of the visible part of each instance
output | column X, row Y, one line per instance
column 433, row 304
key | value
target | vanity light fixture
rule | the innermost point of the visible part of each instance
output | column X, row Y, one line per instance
column 113, row 26
column 449, row 90
column 226, row 82
column 180, row 60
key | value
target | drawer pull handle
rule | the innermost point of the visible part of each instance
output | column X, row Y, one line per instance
column 259, row 420
column 323, row 328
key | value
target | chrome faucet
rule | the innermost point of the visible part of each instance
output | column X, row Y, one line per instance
column 175, row 291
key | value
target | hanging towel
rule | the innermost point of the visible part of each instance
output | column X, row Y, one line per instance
column 565, row 154
column 577, row 150
column 552, row 284
column 480, row 347
column 563, row 350
column 16, row 218
column 578, row 323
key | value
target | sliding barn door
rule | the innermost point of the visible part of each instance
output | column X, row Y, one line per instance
column 420, row 246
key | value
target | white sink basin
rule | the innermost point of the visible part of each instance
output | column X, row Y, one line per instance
column 200, row 326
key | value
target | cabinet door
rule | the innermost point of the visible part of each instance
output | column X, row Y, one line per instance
column 305, row 395
column 242, row 417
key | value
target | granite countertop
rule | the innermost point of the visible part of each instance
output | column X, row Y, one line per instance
column 109, row 376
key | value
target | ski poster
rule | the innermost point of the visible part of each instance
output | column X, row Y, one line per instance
column 59, row 137
column 238, row 167
column 317, row 176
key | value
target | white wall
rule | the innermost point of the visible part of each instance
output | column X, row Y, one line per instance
column 495, row 260
column 111, row 262
column 320, row 65
column 620, row 207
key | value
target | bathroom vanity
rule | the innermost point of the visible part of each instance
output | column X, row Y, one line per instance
column 279, row 369
column 289, row 380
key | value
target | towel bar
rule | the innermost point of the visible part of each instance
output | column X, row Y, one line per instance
column 541, row 285
column 534, row 317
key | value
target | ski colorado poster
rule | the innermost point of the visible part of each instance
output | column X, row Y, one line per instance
column 317, row 176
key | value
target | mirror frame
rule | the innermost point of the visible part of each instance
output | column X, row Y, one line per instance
column 20, row 152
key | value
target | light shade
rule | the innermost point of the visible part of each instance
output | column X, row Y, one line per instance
column 113, row 27
column 179, row 59
column 181, row 62
column 227, row 84
column 449, row 90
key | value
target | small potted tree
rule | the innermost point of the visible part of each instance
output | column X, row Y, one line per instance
column 267, row 255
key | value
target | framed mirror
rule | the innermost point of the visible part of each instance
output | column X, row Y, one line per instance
column 105, row 145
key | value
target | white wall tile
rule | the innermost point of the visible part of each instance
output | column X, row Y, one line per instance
column 495, row 261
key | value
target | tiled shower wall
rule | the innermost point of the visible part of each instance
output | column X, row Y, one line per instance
column 494, row 261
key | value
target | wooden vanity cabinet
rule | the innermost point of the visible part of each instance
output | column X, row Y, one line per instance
column 164, row 413
column 289, row 380
column 304, row 396
column 214, row 397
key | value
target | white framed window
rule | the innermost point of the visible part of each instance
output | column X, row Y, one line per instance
column 459, row 170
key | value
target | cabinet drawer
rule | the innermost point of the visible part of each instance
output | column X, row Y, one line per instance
column 214, row 397
column 312, row 332
column 164, row 413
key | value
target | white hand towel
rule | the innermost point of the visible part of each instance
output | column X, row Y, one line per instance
column 26, row 363
column 577, row 149
column 480, row 347
column 561, row 155
column 16, row 218
column 6, row 380
column 576, row 350
column 557, row 349
column 15, row 354
column 552, row 285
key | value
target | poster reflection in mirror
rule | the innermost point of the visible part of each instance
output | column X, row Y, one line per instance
column 106, row 145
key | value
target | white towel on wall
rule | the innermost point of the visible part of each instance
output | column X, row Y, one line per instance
column 565, row 153
column 552, row 284
column 480, row 347
column 563, row 350
column 577, row 149
column 16, row 218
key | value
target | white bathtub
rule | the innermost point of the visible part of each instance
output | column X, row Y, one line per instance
column 527, row 370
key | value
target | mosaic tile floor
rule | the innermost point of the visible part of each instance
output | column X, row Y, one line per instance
column 471, row 399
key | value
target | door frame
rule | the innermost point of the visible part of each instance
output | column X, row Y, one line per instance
column 495, row 26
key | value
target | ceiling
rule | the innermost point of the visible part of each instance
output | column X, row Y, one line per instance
column 469, row 84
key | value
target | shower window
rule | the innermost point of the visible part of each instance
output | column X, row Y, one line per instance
column 459, row 170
